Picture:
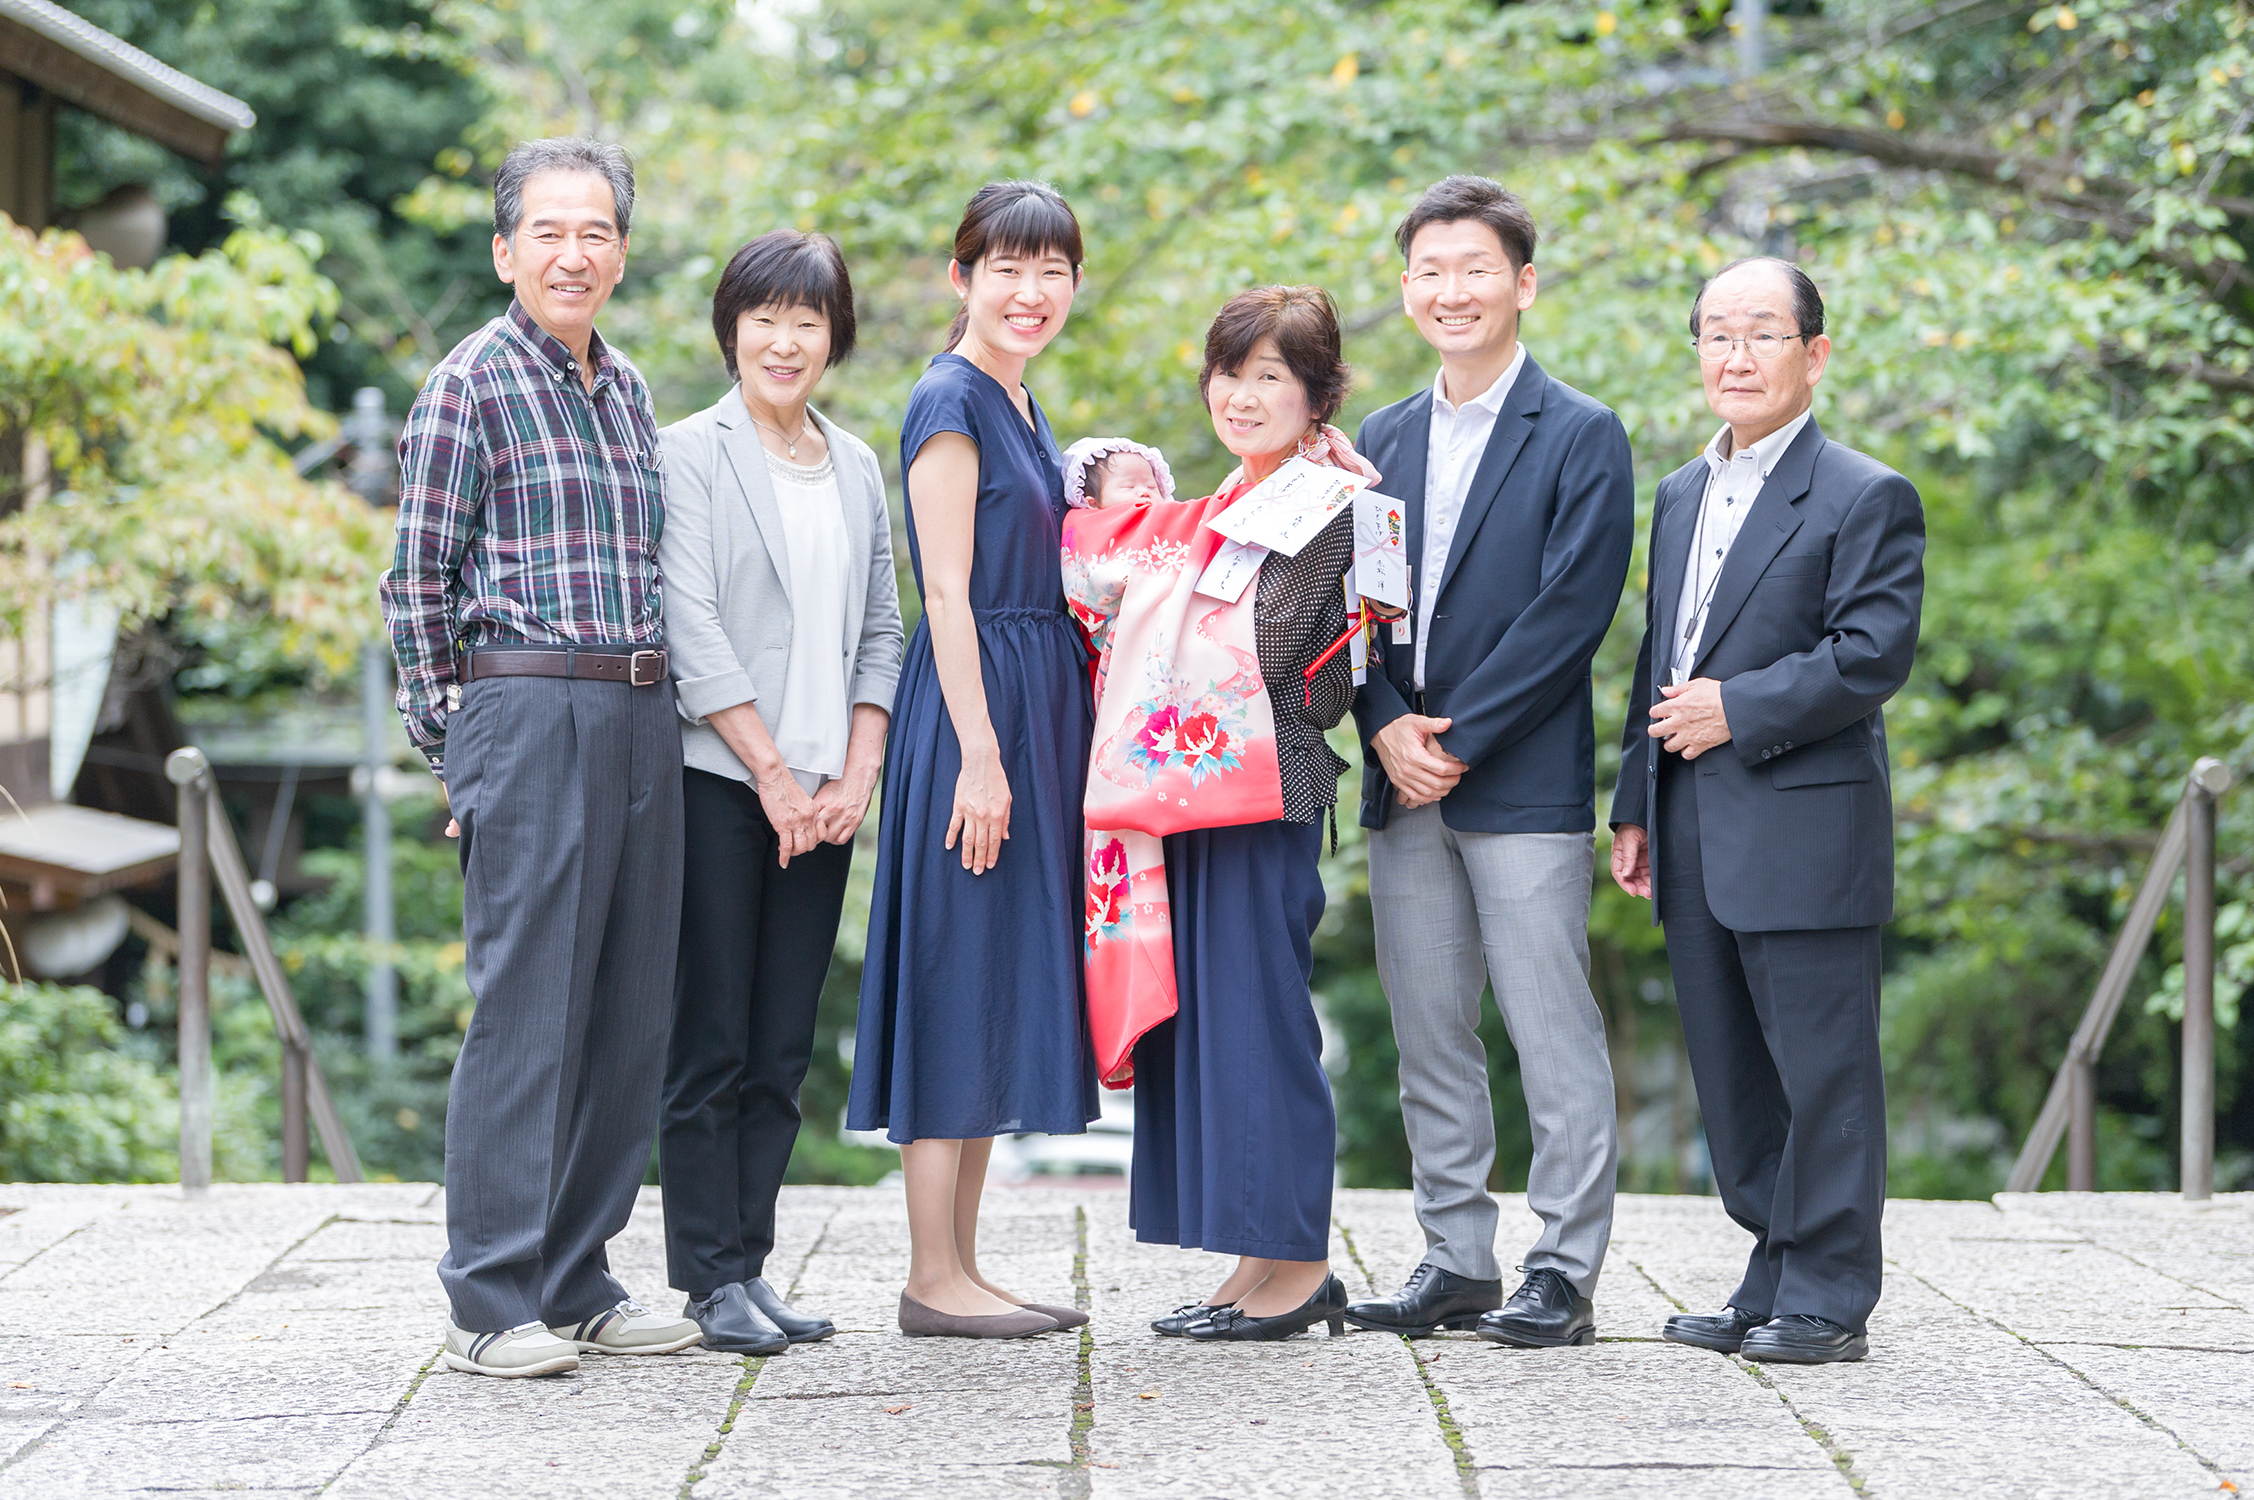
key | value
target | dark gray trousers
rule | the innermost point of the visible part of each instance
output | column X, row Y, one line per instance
column 569, row 797
column 1782, row 1031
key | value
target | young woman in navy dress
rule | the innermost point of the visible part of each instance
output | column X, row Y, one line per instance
column 973, row 1018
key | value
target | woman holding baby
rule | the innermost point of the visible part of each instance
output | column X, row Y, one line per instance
column 1234, row 1126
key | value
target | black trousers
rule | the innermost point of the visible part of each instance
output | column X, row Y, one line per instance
column 755, row 946
column 1782, row 1030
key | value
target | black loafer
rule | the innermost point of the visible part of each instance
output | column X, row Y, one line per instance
column 1722, row 1331
column 733, row 1325
column 798, row 1327
column 1176, row 1323
column 1234, row 1324
column 1804, row 1339
column 1430, row 1300
column 1544, row 1313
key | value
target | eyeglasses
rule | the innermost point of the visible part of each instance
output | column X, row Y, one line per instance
column 1716, row 347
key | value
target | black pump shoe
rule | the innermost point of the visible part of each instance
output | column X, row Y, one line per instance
column 1722, row 1331
column 733, row 1325
column 1328, row 1305
column 800, row 1328
column 1430, row 1300
column 1176, row 1323
column 1544, row 1313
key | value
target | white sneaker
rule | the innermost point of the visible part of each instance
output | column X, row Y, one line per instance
column 630, row 1328
column 527, row 1349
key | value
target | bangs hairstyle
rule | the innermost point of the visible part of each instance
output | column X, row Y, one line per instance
column 785, row 268
column 1453, row 200
column 1304, row 323
column 1018, row 219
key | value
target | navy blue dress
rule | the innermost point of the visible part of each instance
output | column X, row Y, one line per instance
column 974, row 1018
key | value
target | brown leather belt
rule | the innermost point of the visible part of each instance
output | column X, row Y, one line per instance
column 643, row 668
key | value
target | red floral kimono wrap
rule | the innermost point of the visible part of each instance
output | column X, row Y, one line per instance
column 1185, row 738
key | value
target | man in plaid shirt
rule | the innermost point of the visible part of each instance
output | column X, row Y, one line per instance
column 523, row 606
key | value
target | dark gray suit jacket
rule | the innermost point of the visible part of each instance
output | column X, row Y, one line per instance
column 1812, row 628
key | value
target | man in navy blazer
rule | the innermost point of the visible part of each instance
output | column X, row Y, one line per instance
column 1478, row 782
column 1787, row 575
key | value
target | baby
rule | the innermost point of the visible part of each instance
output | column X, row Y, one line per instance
column 1101, row 472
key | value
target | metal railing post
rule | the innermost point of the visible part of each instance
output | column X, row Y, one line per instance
column 381, row 1023
column 188, row 771
column 2081, row 1126
column 2209, row 778
column 296, row 1144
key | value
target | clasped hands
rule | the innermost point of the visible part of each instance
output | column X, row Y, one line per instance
column 1420, row 770
column 832, row 815
column 1690, row 723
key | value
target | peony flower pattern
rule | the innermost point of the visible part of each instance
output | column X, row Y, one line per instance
column 1204, row 740
column 1109, row 903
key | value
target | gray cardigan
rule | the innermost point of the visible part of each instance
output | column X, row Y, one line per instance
column 727, row 602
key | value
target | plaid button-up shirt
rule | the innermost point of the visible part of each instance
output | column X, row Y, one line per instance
column 529, row 510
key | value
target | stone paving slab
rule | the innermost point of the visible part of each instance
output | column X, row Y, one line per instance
column 282, row 1341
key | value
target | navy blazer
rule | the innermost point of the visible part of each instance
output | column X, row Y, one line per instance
column 1812, row 627
column 1531, row 584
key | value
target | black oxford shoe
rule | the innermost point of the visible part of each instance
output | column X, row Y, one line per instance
column 1722, row 1331
column 733, row 1325
column 1803, row 1339
column 1430, row 1300
column 798, row 1327
column 1544, row 1313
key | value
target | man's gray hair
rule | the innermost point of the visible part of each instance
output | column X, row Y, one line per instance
column 560, row 153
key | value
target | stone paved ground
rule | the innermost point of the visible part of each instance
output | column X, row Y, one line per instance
column 282, row 1340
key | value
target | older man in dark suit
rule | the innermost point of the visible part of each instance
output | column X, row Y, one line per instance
column 1754, row 809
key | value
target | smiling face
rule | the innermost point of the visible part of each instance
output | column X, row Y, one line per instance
column 1261, row 410
column 1016, row 303
column 567, row 255
column 1758, row 396
column 1124, row 478
column 1463, row 294
column 781, row 353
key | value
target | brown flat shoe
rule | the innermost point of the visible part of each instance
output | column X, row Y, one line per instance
column 1064, row 1317
column 919, row 1321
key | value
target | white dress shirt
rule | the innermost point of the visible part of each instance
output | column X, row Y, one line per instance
column 1458, row 437
column 816, row 718
column 1732, row 483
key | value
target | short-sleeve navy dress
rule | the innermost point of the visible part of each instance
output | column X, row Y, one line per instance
column 974, row 1020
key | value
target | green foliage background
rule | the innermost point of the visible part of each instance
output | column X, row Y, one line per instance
column 2030, row 219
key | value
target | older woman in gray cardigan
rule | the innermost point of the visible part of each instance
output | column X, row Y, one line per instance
column 783, row 619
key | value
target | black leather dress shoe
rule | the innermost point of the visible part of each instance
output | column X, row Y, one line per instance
column 798, row 1327
column 1722, row 1331
column 1544, row 1313
column 733, row 1325
column 1430, row 1300
column 1177, row 1322
column 1803, row 1339
column 1327, row 1305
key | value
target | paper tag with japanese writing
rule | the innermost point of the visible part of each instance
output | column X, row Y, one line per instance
column 1234, row 566
column 1381, row 559
column 1285, row 511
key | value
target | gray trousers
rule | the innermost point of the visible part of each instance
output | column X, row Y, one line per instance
column 569, row 797
column 1454, row 911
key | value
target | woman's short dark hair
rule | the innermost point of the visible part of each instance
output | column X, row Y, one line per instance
column 1452, row 200
column 1807, row 301
column 1019, row 219
column 1303, row 321
column 785, row 268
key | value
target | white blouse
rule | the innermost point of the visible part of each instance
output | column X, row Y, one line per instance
column 816, row 718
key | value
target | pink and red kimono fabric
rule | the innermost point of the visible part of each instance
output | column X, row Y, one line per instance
column 1185, row 738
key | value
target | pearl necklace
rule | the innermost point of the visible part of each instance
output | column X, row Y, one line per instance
column 789, row 443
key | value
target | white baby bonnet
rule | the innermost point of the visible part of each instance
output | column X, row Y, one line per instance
column 1088, row 451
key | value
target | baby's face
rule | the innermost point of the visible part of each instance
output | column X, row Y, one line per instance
column 1127, row 479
